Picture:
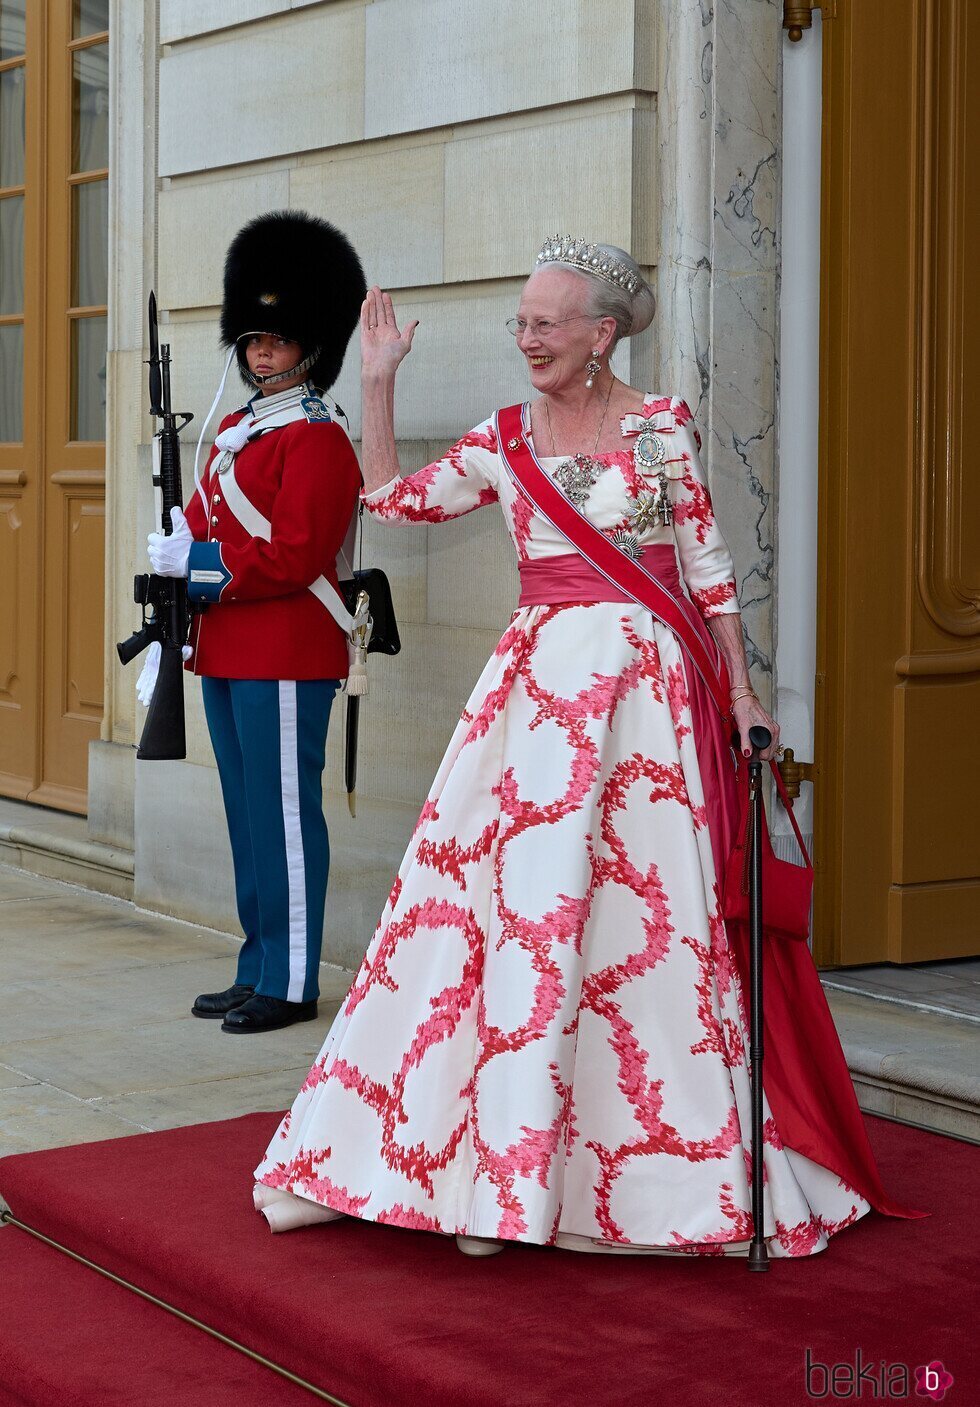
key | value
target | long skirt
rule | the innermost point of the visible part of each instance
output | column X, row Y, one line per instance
column 547, row 1039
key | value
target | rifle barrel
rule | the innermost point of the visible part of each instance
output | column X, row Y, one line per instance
column 163, row 732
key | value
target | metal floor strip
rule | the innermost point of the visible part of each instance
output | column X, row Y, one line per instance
column 7, row 1218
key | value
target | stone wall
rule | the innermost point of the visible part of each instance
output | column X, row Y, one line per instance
column 437, row 136
column 719, row 115
column 447, row 137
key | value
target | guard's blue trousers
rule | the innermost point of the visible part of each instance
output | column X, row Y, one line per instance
column 269, row 737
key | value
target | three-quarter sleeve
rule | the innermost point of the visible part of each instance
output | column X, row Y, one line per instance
column 706, row 562
column 464, row 479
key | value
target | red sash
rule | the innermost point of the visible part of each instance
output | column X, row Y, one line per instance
column 630, row 576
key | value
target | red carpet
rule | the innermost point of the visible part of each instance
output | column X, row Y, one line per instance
column 387, row 1318
column 71, row 1338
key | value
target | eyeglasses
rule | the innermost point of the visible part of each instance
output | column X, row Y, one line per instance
column 541, row 327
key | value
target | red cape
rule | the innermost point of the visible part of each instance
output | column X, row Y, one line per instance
column 805, row 1074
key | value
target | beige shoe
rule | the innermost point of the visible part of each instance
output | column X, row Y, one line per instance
column 284, row 1212
column 479, row 1245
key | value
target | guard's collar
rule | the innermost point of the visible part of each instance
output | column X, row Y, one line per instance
column 261, row 406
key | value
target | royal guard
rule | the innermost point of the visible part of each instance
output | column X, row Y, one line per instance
column 259, row 544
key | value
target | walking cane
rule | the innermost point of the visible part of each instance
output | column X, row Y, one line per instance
column 760, row 738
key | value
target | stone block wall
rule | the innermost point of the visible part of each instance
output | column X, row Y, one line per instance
column 447, row 138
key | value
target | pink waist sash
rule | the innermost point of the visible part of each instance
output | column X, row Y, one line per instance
column 554, row 581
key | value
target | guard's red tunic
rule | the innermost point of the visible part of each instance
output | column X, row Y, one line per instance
column 263, row 623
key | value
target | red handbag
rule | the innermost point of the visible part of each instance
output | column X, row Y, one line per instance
column 787, row 889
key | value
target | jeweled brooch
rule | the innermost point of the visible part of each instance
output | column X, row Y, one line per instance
column 649, row 449
column 644, row 512
column 627, row 543
column 577, row 477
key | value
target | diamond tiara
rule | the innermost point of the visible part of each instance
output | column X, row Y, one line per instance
column 563, row 249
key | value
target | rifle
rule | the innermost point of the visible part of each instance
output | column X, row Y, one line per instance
column 163, row 600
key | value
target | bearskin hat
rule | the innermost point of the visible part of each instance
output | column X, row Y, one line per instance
column 296, row 276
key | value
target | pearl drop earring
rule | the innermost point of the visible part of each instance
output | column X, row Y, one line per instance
column 592, row 368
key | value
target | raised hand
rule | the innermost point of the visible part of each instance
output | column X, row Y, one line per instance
column 383, row 347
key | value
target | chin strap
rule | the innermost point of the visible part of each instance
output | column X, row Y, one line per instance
column 274, row 378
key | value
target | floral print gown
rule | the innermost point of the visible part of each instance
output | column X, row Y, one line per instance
column 547, row 1040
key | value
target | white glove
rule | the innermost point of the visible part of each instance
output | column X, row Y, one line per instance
column 168, row 554
column 147, row 681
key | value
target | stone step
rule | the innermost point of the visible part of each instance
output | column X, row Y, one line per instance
column 57, row 846
column 915, row 1066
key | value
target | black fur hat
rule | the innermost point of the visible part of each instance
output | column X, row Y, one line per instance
column 297, row 276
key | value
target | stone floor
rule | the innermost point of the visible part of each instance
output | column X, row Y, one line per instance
column 940, row 988
column 96, row 1036
column 912, row 1040
column 97, row 1040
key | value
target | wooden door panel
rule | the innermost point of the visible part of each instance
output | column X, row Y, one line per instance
column 937, row 776
column 11, row 567
column 18, row 644
column 935, row 909
column 73, row 635
column 897, row 841
column 946, row 617
column 927, row 921
column 83, row 615
column 21, row 170
column 53, row 583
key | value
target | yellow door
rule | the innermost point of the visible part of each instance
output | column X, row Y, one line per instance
column 898, row 688
column 54, row 88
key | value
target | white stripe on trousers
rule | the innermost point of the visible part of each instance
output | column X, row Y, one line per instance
column 295, row 858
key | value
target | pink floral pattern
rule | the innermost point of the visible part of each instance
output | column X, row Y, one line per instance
column 711, row 597
column 547, row 1040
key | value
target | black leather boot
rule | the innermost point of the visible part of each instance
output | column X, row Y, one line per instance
column 266, row 1014
column 217, row 1004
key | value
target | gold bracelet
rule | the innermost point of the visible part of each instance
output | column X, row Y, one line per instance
column 745, row 694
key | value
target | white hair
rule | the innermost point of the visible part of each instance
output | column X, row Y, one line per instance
column 632, row 312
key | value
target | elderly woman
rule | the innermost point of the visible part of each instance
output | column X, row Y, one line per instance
column 546, row 1041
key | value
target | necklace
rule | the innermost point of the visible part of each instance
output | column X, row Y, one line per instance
column 578, row 475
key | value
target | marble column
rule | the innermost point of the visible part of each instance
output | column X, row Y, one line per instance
column 718, row 275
